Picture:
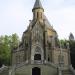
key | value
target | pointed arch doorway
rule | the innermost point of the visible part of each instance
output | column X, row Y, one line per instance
column 36, row 71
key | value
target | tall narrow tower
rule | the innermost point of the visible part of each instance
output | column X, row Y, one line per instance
column 71, row 37
column 38, row 11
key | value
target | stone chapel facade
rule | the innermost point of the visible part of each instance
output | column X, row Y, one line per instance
column 39, row 52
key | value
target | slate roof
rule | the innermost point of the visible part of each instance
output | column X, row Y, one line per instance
column 47, row 22
column 37, row 4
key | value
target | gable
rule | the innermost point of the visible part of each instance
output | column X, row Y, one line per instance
column 37, row 28
column 37, row 33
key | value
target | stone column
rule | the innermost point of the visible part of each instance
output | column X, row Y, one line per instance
column 60, row 71
column 69, row 58
column 46, row 41
column 27, row 56
column 13, row 70
column 60, row 67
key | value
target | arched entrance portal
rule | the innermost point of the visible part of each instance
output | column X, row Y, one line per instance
column 36, row 71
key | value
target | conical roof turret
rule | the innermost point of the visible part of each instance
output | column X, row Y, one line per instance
column 37, row 5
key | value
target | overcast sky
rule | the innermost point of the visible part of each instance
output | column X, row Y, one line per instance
column 15, row 16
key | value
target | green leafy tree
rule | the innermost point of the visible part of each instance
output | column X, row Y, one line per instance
column 63, row 43
column 15, row 40
column 7, row 43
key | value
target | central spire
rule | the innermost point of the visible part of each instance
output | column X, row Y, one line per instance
column 37, row 5
column 38, row 11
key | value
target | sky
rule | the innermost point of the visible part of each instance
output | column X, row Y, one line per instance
column 15, row 16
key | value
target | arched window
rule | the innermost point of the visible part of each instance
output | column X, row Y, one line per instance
column 37, row 57
column 41, row 14
column 48, row 58
column 37, row 14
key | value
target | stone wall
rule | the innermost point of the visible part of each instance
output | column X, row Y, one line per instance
column 27, row 70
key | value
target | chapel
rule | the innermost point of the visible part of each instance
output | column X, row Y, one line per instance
column 39, row 52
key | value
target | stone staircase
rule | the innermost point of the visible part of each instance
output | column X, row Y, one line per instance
column 69, row 71
column 4, row 70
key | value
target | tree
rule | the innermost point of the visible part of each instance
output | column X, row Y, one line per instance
column 7, row 43
column 4, row 50
column 15, row 40
column 72, row 51
column 63, row 43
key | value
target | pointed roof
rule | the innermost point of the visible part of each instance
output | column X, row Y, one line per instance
column 37, row 4
column 48, row 25
column 71, row 37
